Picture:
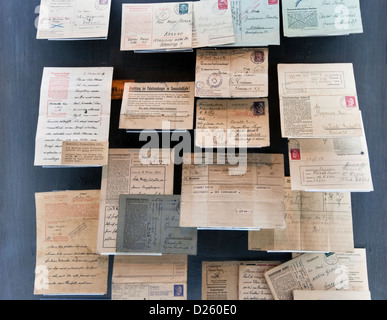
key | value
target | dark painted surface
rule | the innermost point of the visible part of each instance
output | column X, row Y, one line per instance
column 22, row 59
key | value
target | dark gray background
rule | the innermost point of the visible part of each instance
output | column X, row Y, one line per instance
column 22, row 59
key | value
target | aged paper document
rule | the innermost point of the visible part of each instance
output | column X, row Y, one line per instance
column 340, row 164
column 149, row 224
column 149, row 278
column 254, row 198
column 236, row 280
column 212, row 23
column 308, row 18
column 73, row 19
column 227, row 122
column 315, row 221
column 318, row 101
column 319, row 271
column 156, row 26
column 331, row 295
column 147, row 105
column 66, row 258
column 129, row 173
column 232, row 73
column 74, row 107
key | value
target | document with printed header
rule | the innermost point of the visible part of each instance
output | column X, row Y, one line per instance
column 148, row 105
column 232, row 73
column 74, row 117
column 315, row 221
column 130, row 172
column 73, row 19
column 66, row 259
column 156, row 26
column 319, row 101
column 150, row 278
column 246, row 196
column 308, row 18
column 228, row 122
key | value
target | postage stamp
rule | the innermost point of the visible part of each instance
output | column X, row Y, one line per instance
column 257, row 56
column 258, row 108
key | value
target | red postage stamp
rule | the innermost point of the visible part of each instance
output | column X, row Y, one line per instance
column 295, row 154
column 222, row 4
column 272, row 2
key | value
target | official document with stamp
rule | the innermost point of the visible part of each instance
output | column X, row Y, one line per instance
column 318, row 101
column 253, row 198
column 319, row 271
column 129, row 172
column 147, row 105
column 228, row 122
column 150, row 277
column 232, row 73
column 149, row 224
column 156, row 26
column 212, row 23
column 308, row 18
column 74, row 117
column 315, row 221
column 236, row 280
column 335, row 165
column 66, row 258
column 74, row 19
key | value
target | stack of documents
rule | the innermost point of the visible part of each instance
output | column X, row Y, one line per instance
column 320, row 116
column 308, row 18
column 74, row 20
column 187, row 25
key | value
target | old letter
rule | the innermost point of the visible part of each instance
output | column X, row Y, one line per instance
column 148, row 105
column 307, row 18
column 129, row 172
column 156, row 26
column 149, row 224
column 315, row 221
column 233, row 73
column 226, row 123
column 149, row 278
column 319, row 101
column 66, row 258
column 211, row 197
column 75, row 107
column 73, row 19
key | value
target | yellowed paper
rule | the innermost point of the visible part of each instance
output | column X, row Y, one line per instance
column 335, row 165
column 79, row 153
column 315, row 221
column 129, row 172
column 156, row 26
column 331, row 295
column 149, row 278
column 319, row 101
column 74, row 106
column 158, row 105
column 252, row 281
column 252, row 198
column 212, row 24
column 232, row 73
column 319, row 271
column 223, row 123
column 74, row 19
column 66, row 258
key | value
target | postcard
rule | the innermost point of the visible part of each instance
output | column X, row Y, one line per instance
column 72, row 20
column 232, row 73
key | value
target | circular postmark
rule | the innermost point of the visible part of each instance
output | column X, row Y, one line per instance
column 199, row 85
column 215, row 80
column 218, row 10
column 331, row 258
column 102, row 4
column 257, row 56
column 163, row 14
